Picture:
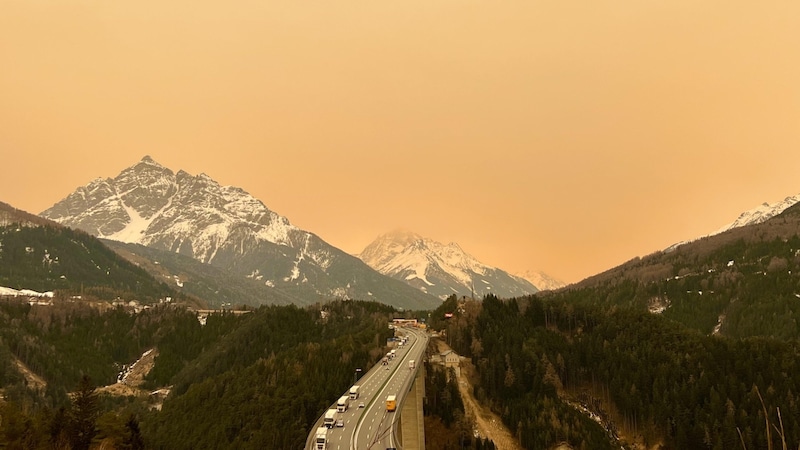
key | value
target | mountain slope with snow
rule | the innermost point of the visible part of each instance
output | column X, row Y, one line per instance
column 149, row 204
column 755, row 216
column 541, row 280
column 760, row 214
column 440, row 269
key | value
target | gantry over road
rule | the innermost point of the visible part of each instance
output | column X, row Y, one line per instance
column 374, row 426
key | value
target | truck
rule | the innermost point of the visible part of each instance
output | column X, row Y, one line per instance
column 321, row 439
column 354, row 392
column 391, row 403
column 330, row 418
column 412, row 364
column 343, row 403
column 394, row 353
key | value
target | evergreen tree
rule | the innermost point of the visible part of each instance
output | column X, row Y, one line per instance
column 83, row 415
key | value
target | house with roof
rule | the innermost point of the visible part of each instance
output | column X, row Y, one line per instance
column 449, row 359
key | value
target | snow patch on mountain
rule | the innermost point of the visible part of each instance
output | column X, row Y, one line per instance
column 134, row 230
column 11, row 292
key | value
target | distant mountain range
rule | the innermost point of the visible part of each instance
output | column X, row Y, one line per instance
column 225, row 227
column 439, row 269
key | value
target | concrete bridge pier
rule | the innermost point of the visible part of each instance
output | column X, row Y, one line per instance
column 412, row 421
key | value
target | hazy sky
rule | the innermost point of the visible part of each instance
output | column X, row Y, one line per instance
column 565, row 136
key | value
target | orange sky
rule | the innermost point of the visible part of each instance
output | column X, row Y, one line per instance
column 566, row 136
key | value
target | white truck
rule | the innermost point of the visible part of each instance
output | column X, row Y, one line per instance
column 343, row 403
column 321, row 439
column 330, row 418
column 354, row 392
column 412, row 364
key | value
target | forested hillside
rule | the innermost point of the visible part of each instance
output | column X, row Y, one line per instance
column 69, row 262
column 10, row 215
column 257, row 380
column 266, row 383
column 744, row 282
column 63, row 342
column 71, row 346
column 647, row 377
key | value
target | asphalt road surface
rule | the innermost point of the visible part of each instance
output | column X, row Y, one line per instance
column 373, row 427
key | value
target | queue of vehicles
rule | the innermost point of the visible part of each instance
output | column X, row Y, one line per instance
column 332, row 418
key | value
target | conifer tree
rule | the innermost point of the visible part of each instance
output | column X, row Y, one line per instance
column 83, row 415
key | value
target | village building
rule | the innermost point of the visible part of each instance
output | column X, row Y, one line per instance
column 450, row 359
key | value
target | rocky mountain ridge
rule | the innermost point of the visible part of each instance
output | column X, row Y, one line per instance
column 760, row 213
column 225, row 226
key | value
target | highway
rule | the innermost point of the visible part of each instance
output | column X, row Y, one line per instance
column 372, row 427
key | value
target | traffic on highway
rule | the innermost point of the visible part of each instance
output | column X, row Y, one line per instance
column 367, row 413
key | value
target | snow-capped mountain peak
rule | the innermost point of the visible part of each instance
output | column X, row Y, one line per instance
column 151, row 205
column 148, row 204
column 439, row 269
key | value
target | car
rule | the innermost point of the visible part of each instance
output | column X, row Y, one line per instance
column 340, row 423
column 361, row 405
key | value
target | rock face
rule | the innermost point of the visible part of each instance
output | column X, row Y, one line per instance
column 440, row 269
column 224, row 226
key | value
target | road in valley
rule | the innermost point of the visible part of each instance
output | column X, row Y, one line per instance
column 372, row 427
